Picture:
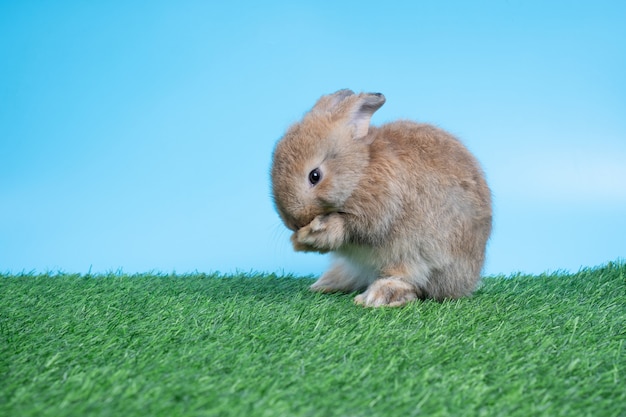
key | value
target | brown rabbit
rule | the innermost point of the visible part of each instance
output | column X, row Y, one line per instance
column 404, row 207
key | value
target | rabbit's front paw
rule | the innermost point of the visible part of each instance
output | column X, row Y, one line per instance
column 299, row 246
column 325, row 233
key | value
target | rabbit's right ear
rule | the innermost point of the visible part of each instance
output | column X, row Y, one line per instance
column 329, row 102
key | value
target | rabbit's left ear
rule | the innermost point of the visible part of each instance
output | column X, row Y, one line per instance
column 362, row 111
column 330, row 102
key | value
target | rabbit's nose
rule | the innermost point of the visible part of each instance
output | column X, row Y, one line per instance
column 292, row 224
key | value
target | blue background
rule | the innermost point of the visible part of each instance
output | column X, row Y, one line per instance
column 137, row 136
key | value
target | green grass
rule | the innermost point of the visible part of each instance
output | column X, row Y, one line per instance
column 201, row 345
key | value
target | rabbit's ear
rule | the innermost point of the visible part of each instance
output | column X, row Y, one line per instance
column 331, row 101
column 362, row 111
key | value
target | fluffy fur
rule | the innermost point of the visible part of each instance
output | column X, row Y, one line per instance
column 404, row 207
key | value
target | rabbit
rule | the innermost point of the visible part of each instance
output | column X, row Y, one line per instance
column 404, row 207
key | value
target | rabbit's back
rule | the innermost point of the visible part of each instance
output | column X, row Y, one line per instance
column 423, row 171
column 426, row 201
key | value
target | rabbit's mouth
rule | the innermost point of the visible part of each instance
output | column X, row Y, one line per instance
column 293, row 224
column 294, row 227
column 298, row 225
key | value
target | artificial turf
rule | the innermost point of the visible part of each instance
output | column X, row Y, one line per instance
column 202, row 345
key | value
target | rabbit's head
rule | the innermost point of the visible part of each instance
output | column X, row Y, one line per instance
column 320, row 160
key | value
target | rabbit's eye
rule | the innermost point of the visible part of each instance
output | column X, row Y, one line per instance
column 315, row 176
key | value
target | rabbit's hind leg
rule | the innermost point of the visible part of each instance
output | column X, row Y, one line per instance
column 388, row 292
